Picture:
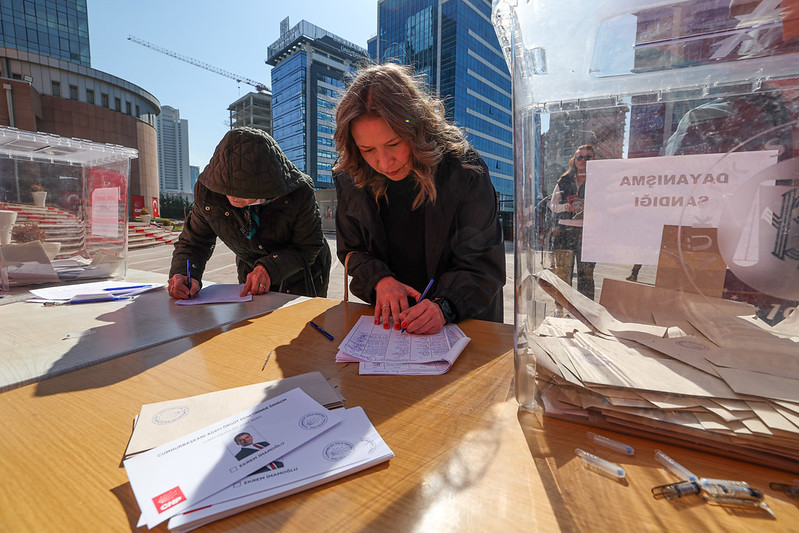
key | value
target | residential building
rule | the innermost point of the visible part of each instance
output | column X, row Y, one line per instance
column 453, row 44
column 309, row 69
column 174, row 175
column 49, row 86
column 253, row 110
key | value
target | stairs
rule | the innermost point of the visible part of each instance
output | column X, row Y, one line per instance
column 66, row 228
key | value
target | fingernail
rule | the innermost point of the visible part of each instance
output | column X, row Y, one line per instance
column 404, row 325
column 396, row 326
column 377, row 321
column 385, row 325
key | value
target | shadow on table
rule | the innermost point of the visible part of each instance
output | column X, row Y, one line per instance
column 151, row 319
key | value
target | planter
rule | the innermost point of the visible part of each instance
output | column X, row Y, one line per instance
column 7, row 219
column 51, row 249
column 38, row 198
column 146, row 218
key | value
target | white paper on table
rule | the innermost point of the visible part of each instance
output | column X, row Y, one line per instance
column 218, row 293
column 351, row 446
column 108, row 288
column 169, row 478
column 382, row 348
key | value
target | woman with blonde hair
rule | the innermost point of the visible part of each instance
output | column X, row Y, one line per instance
column 415, row 204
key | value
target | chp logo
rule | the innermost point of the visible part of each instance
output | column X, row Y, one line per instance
column 313, row 420
column 168, row 499
column 170, row 414
column 335, row 451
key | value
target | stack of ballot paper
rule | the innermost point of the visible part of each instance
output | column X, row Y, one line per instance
column 702, row 371
column 271, row 449
column 161, row 422
column 390, row 351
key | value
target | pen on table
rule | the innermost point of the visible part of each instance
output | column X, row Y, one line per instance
column 590, row 459
column 320, row 330
column 131, row 287
column 188, row 275
column 674, row 467
column 424, row 293
column 89, row 301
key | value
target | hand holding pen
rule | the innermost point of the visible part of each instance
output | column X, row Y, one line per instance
column 424, row 318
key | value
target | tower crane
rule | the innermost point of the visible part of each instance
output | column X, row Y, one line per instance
column 241, row 79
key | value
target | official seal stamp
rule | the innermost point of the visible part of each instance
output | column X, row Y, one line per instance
column 338, row 450
column 313, row 420
column 170, row 414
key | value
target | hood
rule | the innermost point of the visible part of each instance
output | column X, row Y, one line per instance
column 248, row 163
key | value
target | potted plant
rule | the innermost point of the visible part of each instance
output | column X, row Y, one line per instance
column 39, row 195
column 145, row 215
column 28, row 232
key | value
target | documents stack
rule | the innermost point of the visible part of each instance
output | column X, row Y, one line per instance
column 285, row 443
column 380, row 350
column 705, row 372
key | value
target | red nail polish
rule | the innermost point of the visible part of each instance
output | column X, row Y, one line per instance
column 396, row 326
column 385, row 325
column 404, row 324
column 377, row 321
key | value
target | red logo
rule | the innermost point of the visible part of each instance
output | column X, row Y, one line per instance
column 168, row 499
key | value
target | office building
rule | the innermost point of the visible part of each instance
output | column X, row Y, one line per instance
column 49, row 86
column 253, row 110
column 174, row 175
column 453, row 44
column 194, row 172
column 309, row 68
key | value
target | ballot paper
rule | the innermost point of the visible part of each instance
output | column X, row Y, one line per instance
column 349, row 447
column 161, row 422
column 218, row 293
column 703, row 374
column 174, row 476
column 381, row 350
column 88, row 291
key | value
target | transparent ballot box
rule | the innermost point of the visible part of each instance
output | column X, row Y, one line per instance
column 63, row 208
column 657, row 218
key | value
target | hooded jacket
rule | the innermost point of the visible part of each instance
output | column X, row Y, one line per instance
column 464, row 249
column 283, row 233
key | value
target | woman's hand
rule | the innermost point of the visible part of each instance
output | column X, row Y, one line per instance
column 258, row 282
column 392, row 299
column 424, row 318
column 178, row 287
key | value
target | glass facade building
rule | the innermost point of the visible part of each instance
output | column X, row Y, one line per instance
column 309, row 68
column 453, row 44
column 52, row 28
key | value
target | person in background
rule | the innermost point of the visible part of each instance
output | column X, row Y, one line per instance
column 263, row 208
column 568, row 199
column 415, row 203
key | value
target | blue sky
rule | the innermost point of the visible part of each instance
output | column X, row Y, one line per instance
column 230, row 35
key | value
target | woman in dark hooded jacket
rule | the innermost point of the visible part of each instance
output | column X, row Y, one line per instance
column 263, row 208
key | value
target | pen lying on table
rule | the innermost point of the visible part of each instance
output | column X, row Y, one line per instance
column 320, row 330
column 89, row 300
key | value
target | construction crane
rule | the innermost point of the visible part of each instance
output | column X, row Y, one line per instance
column 241, row 79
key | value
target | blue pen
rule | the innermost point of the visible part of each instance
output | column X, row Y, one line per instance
column 118, row 289
column 424, row 293
column 89, row 301
column 188, row 275
column 320, row 330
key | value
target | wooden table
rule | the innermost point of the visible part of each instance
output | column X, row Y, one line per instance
column 466, row 458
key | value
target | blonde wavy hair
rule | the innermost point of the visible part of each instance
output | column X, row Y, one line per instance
column 397, row 95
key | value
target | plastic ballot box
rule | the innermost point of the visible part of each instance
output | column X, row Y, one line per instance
column 63, row 208
column 656, row 160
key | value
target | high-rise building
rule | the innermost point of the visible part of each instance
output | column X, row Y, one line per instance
column 253, row 110
column 194, row 171
column 309, row 67
column 174, row 175
column 453, row 44
column 49, row 86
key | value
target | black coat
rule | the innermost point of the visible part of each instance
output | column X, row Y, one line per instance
column 464, row 249
column 248, row 163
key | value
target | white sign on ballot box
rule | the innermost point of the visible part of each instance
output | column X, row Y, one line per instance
column 628, row 201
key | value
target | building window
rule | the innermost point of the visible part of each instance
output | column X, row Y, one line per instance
column 128, row 109
column 73, row 92
column 138, row 111
column 118, row 104
column 56, row 88
column 104, row 100
column 90, row 96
